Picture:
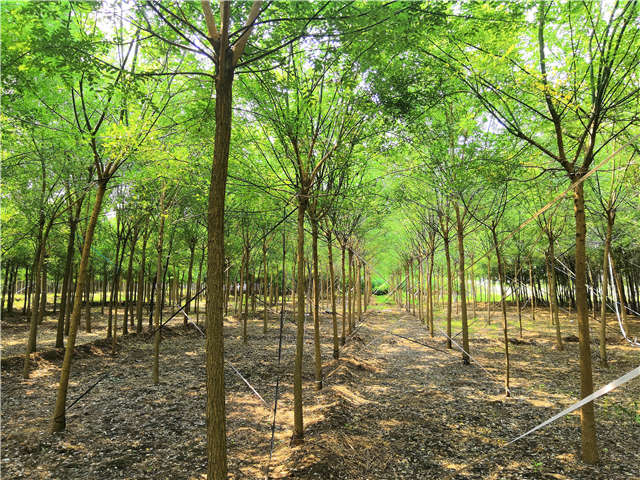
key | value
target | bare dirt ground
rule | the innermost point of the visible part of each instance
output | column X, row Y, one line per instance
column 390, row 408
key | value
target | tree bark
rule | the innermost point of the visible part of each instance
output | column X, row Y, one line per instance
column 35, row 310
column 316, row 301
column 157, row 314
column 192, row 251
column 350, row 292
column 128, row 308
column 58, row 422
column 463, row 289
column 141, row 282
column 553, row 299
column 265, row 290
column 449, row 289
column 332, row 291
column 344, row 295
column 503, row 305
column 298, row 426
column 587, row 417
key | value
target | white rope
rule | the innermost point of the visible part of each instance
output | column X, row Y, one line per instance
column 597, row 290
column 603, row 391
column 248, row 384
column 232, row 366
column 616, row 302
column 633, row 342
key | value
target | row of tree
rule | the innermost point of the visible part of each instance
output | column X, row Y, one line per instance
column 432, row 164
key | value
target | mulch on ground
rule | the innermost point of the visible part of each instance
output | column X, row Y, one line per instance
column 390, row 408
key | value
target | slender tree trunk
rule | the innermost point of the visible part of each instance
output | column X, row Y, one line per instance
column 449, row 289
column 35, row 309
column 245, row 316
column 247, row 279
column 298, row 426
column 110, row 325
column 192, row 251
column 359, row 289
column 265, row 290
column 43, row 290
column 430, row 290
column 407, row 286
column 350, row 292
column 463, row 289
column 553, row 302
column 587, row 417
column 473, row 287
column 58, row 422
column 503, row 305
column 141, row 282
column 332, row 291
column 66, row 278
column 533, row 292
column 344, row 296
column 227, row 284
column 5, row 285
column 489, row 289
column 316, row 302
column 516, row 291
column 127, row 294
column 27, row 292
column 412, row 296
column 87, row 298
column 157, row 314
column 420, row 283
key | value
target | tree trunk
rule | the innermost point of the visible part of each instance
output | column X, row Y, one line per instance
column 553, row 302
column 110, row 326
column 516, row 291
column 430, row 290
column 587, row 417
column 127, row 293
column 503, row 305
column 332, row 291
column 489, row 289
column 420, row 282
column 359, row 290
column 192, row 251
column 27, row 292
column 298, row 426
column 473, row 287
column 58, row 422
column 155, row 373
column 316, row 302
column 533, row 292
column 265, row 290
column 35, row 310
column 141, row 282
column 87, row 299
column 449, row 289
column 344, row 296
column 247, row 280
column 463, row 288
column 43, row 290
column 412, row 280
column 55, row 294
column 350, row 292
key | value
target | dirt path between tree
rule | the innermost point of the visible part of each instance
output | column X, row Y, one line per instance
column 402, row 410
column 390, row 409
